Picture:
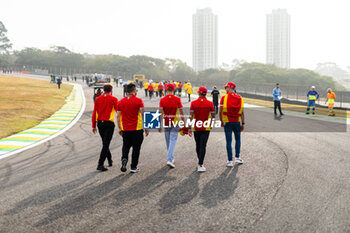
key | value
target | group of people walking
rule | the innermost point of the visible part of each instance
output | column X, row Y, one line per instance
column 159, row 89
column 129, row 119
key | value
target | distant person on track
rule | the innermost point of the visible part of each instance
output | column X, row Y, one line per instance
column 312, row 97
column 216, row 95
column 145, row 87
column 277, row 96
column 160, row 89
column 150, row 90
column 180, row 89
column 104, row 113
column 232, row 119
column 125, row 89
column 129, row 118
column 331, row 98
column 59, row 82
column 98, row 94
column 189, row 91
column 201, row 110
column 171, row 109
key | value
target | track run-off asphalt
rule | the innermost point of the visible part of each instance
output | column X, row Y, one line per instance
column 294, row 179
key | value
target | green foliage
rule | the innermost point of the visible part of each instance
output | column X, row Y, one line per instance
column 60, row 58
column 4, row 41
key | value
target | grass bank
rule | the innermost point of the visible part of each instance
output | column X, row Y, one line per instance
column 26, row 102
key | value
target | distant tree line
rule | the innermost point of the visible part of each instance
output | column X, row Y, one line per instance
column 59, row 58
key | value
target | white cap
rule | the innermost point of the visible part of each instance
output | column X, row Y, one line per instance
column 313, row 87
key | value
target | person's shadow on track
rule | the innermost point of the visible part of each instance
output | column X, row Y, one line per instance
column 143, row 188
column 180, row 195
column 51, row 194
column 82, row 200
column 220, row 188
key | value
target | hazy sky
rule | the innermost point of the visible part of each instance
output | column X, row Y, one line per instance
column 159, row 28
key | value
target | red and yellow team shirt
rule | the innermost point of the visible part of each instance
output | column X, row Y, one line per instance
column 232, row 105
column 170, row 105
column 130, row 109
column 150, row 87
column 105, row 108
column 202, row 109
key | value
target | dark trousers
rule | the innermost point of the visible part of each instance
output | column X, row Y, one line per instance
column 132, row 139
column 160, row 93
column 277, row 105
column 201, row 138
column 106, row 129
column 189, row 97
column 146, row 92
column 216, row 106
column 59, row 85
column 150, row 94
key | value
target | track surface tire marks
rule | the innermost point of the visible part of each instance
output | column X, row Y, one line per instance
column 54, row 187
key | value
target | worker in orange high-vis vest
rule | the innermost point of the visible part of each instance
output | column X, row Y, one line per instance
column 232, row 119
column 331, row 100
column 105, row 108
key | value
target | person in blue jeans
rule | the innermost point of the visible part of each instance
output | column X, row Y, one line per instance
column 312, row 96
column 171, row 109
column 232, row 119
column 277, row 95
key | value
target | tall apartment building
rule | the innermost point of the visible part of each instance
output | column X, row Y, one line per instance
column 205, row 40
column 278, row 38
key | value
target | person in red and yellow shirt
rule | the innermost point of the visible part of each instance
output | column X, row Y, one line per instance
column 160, row 89
column 171, row 108
column 202, row 110
column 150, row 90
column 105, row 108
column 231, row 116
column 129, row 118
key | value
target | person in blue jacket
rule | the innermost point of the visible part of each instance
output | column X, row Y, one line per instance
column 277, row 96
column 312, row 96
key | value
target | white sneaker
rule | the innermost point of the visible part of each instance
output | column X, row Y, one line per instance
column 238, row 160
column 201, row 169
column 170, row 164
column 134, row 170
column 229, row 164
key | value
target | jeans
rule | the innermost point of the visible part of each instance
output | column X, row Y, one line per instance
column 277, row 105
column 311, row 103
column 201, row 138
column 171, row 134
column 132, row 139
column 236, row 128
column 105, row 129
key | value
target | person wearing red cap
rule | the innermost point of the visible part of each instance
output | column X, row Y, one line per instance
column 103, row 114
column 232, row 118
column 202, row 110
column 170, row 106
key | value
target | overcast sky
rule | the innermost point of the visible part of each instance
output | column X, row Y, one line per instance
column 160, row 28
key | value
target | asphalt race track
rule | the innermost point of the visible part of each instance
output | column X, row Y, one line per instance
column 293, row 180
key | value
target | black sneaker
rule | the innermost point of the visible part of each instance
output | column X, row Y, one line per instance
column 101, row 168
column 110, row 164
column 123, row 168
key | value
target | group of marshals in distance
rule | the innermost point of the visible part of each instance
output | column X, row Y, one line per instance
column 129, row 112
